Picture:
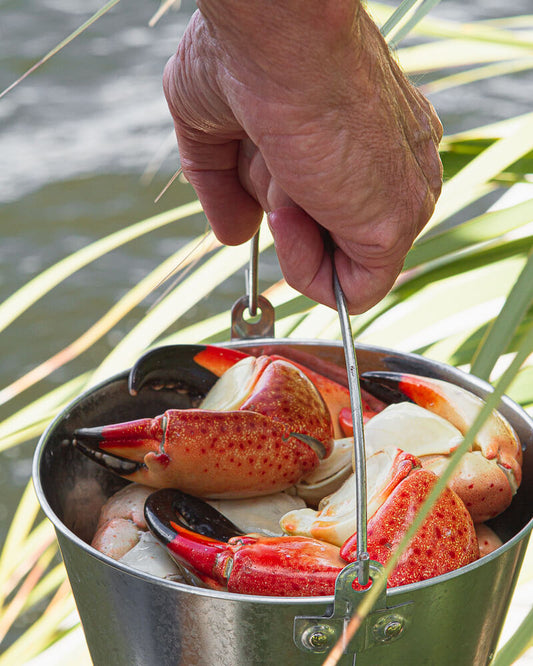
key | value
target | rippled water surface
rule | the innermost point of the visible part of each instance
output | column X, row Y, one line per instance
column 75, row 139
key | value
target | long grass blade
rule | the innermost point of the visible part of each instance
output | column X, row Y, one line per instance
column 475, row 75
column 182, row 258
column 20, row 599
column 41, row 634
column 446, row 307
column 163, row 9
column 481, row 229
column 203, row 281
column 458, row 191
column 465, row 31
column 447, row 54
column 397, row 16
column 421, row 11
column 29, row 551
column 42, row 409
column 19, row 530
column 61, row 45
column 515, row 647
column 500, row 334
column 521, row 390
column 27, row 295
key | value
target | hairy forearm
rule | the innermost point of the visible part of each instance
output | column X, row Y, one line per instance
column 277, row 31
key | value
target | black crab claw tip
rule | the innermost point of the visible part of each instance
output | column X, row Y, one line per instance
column 384, row 385
column 89, row 435
column 166, row 506
column 170, row 367
column 120, row 466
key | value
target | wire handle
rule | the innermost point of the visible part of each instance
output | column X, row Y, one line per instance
column 358, row 432
column 251, row 276
column 260, row 326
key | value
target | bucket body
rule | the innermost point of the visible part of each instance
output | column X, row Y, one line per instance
column 134, row 618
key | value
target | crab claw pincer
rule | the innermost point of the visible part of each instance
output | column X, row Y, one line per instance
column 490, row 473
column 247, row 564
column 260, row 429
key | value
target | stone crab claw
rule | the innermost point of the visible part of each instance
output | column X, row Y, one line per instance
column 169, row 366
column 446, row 540
column 244, row 563
column 305, row 566
column 487, row 476
column 260, row 428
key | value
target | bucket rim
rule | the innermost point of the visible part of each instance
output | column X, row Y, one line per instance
column 479, row 386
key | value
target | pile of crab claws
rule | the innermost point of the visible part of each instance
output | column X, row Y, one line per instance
column 260, row 429
column 179, row 367
column 334, row 520
column 307, row 566
column 489, row 475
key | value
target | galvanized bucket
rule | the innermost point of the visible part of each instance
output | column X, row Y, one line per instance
column 134, row 618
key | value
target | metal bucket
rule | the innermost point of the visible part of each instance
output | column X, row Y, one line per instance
column 133, row 618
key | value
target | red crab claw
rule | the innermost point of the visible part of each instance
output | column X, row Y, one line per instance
column 488, row 475
column 446, row 540
column 261, row 428
column 305, row 566
column 337, row 398
column 247, row 564
column 162, row 368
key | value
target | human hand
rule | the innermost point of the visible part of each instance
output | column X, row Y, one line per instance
column 298, row 109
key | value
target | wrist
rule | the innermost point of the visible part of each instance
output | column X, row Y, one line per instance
column 251, row 20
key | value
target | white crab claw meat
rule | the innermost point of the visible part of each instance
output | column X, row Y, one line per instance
column 482, row 482
column 335, row 519
column 496, row 439
column 233, row 387
column 330, row 473
column 412, row 429
column 149, row 556
column 485, row 486
column 258, row 514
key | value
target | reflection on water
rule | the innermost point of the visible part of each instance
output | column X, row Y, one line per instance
column 75, row 139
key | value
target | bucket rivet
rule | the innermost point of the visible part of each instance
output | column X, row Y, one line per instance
column 318, row 639
column 388, row 629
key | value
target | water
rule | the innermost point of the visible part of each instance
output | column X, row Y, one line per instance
column 75, row 139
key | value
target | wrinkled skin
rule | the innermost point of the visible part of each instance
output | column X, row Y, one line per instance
column 300, row 110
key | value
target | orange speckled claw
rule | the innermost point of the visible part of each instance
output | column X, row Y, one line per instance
column 489, row 474
column 261, row 428
column 446, row 540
